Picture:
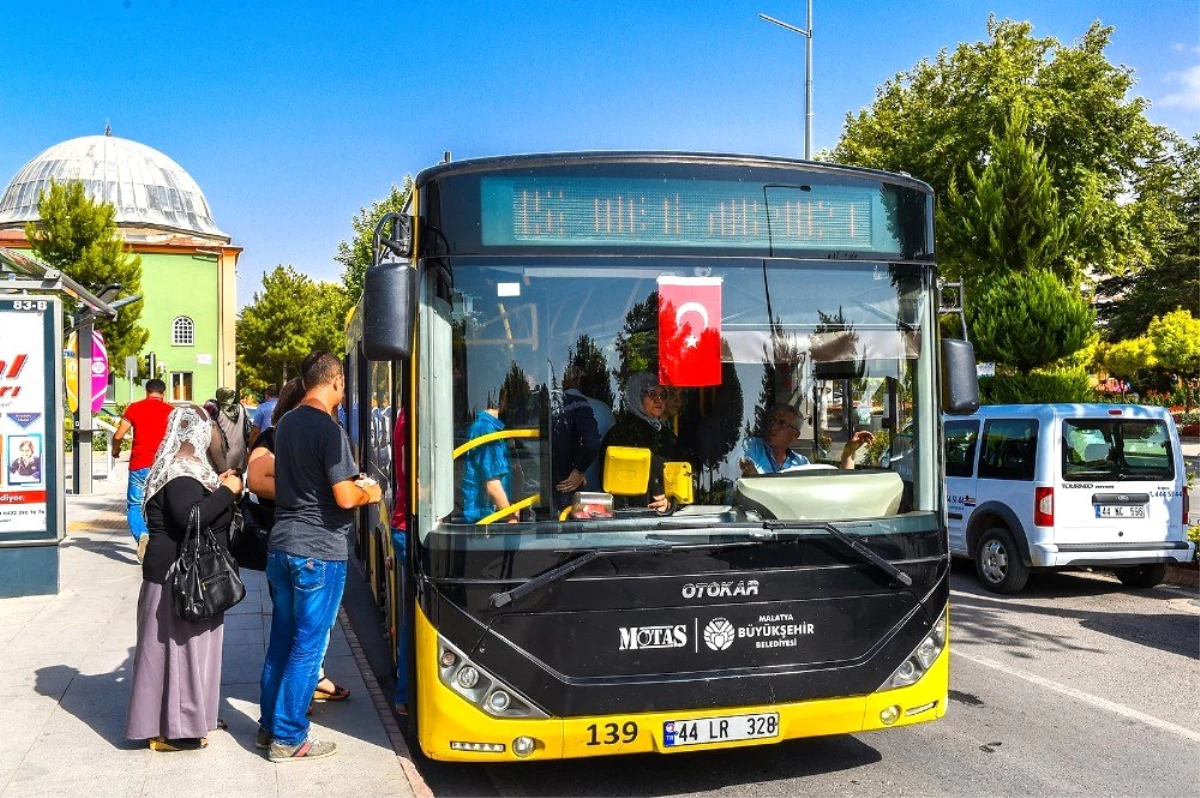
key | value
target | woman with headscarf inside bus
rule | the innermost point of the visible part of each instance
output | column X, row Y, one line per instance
column 641, row 424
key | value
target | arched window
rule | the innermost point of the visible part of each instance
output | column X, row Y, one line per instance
column 183, row 332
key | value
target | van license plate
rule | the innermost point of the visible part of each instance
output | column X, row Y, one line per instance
column 720, row 730
column 1119, row 511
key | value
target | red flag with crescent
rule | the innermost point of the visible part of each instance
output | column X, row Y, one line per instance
column 689, row 331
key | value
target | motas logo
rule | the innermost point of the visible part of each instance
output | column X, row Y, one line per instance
column 746, row 587
column 634, row 638
column 719, row 634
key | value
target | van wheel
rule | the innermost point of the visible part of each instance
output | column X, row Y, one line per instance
column 1143, row 575
column 998, row 562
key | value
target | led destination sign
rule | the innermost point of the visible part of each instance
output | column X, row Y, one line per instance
column 578, row 211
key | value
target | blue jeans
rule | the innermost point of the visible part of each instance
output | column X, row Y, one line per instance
column 305, row 595
column 400, row 546
column 135, row 497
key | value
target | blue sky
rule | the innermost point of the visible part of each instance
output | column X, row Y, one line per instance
column 293, row 115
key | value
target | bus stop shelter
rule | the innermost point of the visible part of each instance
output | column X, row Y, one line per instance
column 33, row 297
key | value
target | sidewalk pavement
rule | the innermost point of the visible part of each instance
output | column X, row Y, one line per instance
column 66, row 669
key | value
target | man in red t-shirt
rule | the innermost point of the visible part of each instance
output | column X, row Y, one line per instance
column 148, row 419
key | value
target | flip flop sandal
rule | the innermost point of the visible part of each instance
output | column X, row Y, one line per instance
column 222, row 725
column 162, row 744
column 339, row 694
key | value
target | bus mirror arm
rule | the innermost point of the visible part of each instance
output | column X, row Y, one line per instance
column 398, row 239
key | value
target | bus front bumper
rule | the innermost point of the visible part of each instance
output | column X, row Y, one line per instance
column 450, row 728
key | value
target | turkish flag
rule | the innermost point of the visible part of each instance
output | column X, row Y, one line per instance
column 689, row 331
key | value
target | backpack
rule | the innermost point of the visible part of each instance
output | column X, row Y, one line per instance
column 235, row 440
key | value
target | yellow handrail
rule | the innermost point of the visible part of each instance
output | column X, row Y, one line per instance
column 495, row 436
column 510, row 509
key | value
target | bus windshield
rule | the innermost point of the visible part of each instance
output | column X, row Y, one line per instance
column 747, row 389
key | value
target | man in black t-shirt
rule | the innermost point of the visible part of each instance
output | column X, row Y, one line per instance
column 317, row 487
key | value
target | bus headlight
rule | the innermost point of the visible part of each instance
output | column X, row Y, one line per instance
column 922, row 658
column 467, row 677
column 481, row 688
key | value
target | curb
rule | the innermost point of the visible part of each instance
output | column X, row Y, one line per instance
column 1183, row 577
column 383, row 707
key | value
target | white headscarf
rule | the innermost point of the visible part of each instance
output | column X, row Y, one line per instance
column 636, row 387
column 183, row 453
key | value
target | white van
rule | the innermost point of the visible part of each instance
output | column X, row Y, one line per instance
column 1066, row 486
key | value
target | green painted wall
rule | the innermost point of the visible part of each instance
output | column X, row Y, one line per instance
column 173, row 286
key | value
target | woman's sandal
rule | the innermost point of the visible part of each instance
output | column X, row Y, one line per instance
column 339, row 694
column 179, row 744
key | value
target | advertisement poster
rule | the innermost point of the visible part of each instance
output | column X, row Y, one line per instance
column 99, row 371
column 28, row 439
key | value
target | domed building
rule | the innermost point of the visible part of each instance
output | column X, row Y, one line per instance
column 188, row 262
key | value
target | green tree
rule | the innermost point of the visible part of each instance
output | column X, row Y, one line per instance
column 1009, row 217
column 355, row 254
column 79, row 237
column 1125, row 359
column 1170, row 199
column 291, row 316
column 637, row 342
column 936, row 118
column 586, row 357
column 1029, row 319
column 1176, row 337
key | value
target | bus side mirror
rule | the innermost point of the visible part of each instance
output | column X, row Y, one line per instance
column 389, row 308
column 626, row 471
column 390, row 290
column 960, row 382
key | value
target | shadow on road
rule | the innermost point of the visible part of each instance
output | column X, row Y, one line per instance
column 99, row 700
column 700, row 772
column 107, row 547
column 998, row 619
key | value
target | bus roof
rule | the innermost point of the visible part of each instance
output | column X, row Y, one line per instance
column 510, row 162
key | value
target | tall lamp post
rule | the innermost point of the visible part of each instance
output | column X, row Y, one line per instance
column 807, row 33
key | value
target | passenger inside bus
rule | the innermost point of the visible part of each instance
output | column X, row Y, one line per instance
column 642, row 424
column 576, row 439
column 486, row 480
column 771, row 453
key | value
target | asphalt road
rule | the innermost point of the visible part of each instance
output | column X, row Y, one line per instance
column 1077, row 686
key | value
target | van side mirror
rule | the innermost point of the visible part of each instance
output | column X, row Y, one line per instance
column 390, row 292
column 960, row 383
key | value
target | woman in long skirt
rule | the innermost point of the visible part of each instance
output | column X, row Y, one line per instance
column 177, row 664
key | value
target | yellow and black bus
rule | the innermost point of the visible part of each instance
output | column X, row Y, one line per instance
column 774, row 593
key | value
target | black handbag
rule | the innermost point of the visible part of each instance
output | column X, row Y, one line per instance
column 249, row 535
column 206, row 575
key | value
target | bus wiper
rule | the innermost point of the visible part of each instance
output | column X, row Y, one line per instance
column 499, row 600
column 853, row 543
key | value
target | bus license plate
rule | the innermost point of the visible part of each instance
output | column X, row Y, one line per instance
column 720, row 730
column 1119, row 511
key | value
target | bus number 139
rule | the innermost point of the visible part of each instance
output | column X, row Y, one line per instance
column 611, row 734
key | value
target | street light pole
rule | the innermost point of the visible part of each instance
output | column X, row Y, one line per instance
column 807, row 33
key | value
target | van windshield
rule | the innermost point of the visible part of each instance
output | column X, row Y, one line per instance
column 1116, row 449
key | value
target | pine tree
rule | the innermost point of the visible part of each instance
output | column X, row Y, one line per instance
column 79, row 237
column 1029, row 319
column 1009, row 217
